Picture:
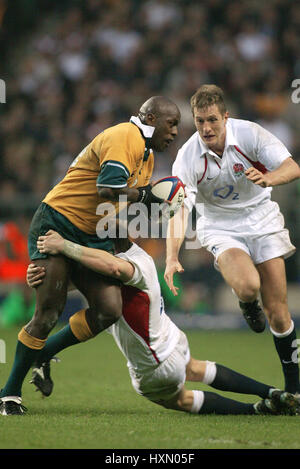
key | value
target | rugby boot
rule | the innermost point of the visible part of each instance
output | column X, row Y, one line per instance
column 41, row 378
column 254, row 315
column 285, row 402
column 266, row 407
column 11, row 405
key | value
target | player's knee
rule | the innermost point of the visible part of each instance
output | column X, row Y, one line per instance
column 278, row 316
column 99, row 320
column 280, row 324
column 110, row 313
column 42, row 323
column 195, row 370
column 247, row 290
column 185, row 400
column 109, row 307
column 104, row 310
column 114, row 310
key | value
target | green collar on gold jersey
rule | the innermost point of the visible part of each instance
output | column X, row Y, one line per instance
column 147, row 132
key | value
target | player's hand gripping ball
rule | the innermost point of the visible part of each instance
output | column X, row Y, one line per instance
column 170, row 188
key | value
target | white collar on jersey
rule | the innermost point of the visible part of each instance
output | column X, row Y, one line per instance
column 147, row 130
column 230, row 140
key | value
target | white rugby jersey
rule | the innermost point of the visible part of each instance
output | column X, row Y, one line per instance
column 220, row 183
column 144, row 333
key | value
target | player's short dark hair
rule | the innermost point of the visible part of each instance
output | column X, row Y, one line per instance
column 208, row 95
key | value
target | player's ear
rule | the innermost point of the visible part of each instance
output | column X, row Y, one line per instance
column 150, row 119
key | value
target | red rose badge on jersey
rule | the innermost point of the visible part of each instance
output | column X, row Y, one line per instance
column 238, row 169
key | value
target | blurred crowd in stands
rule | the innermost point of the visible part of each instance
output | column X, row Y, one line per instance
column 73, row 68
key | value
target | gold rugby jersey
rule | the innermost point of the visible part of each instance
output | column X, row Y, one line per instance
column 116, row 158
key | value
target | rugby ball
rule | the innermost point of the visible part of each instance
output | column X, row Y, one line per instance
column 170, row 188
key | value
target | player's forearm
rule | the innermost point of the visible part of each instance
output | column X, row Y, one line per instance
column 287, row 172
column 176, row 234
column 114, row 194
column 95, row 259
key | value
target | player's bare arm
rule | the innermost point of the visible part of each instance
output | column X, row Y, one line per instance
column 175, row 237
column 95, row 259
column 287, row 172
column 142, row 194
column 113, row 195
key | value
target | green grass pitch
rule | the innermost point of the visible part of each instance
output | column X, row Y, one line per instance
column 94, row 406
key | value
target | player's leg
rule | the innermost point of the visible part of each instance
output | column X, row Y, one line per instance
column 202, row 402
column 222, row 378
column 225, row 379
column 51, row 296
column 105, row 307
column 104, row 298
column 274, row 297
column 240, row 274
column 50, row 301
column 164, row 385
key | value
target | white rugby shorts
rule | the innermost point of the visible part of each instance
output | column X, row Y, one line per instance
column 261, row 234
column 163, row 382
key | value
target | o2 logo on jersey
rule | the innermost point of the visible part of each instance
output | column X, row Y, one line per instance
column 225, row 192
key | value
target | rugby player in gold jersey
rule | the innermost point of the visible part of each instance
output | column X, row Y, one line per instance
column 119, row 161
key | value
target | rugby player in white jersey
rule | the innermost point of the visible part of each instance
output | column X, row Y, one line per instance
column 157, row 352
column 229, row 166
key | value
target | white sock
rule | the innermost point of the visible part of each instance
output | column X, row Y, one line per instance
column 198, row 401
column 210, row 372
column 283, row 334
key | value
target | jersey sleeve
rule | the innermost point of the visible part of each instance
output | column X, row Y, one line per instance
column 180, row 169
column 113, row 174
column 137, row 276
column 119, row 152
column 269, row 150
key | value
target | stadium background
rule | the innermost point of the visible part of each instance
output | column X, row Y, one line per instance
column 73, row 68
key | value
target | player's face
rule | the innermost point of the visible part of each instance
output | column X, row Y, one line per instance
column 211, row 125
column 166, row 130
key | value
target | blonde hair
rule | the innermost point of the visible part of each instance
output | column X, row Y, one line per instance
column 208, row 95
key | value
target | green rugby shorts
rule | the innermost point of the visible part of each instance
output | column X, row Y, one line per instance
column 47, row 218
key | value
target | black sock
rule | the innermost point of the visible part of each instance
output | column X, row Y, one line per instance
column 216, row 404
column 290, row 366
column 229, row 380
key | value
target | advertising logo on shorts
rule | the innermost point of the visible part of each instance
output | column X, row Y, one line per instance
column 238, row 169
